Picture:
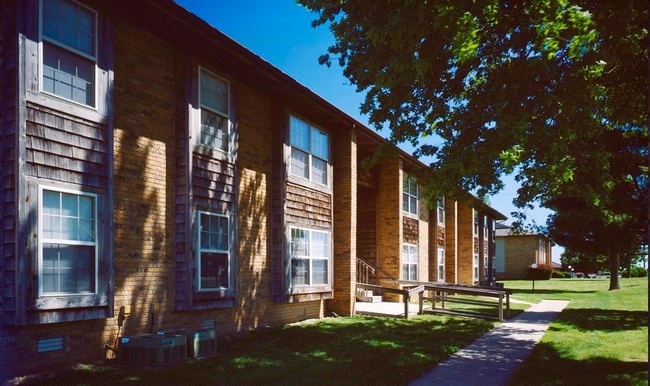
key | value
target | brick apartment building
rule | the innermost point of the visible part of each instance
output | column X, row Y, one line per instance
column 150, row 162
column 517, row 251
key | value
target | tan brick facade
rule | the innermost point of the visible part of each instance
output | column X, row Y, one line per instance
column 467, row 243
column 389, row 217
column 154, row 201
column 345, row 224
column 519, row 252
column 451, row 238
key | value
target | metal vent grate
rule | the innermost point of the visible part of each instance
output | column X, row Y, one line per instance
column 52, row 344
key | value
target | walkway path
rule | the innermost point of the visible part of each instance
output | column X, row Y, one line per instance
column 493, row 358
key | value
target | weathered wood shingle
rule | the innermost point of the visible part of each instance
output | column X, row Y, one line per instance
column 64, row 148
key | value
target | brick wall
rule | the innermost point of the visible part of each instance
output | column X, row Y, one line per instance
column 389, row 220
column 425, row 258
column 451, row 246
column 466, row 243
column 345, row 223
column 367, row 224
column 144, row 143
column 520, row 251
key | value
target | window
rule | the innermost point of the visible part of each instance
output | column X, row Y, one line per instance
column 309, row 151
column 475, row 267
column 68, row 243
column 214, row 101
column 441, row 264
column 310, row 257
column 410, row 195
column 69, row 54
column 213, row 265
column 409, row 262
column 441, row 210
column 542, row 251
column 475, row 222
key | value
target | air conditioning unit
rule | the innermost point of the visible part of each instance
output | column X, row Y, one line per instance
column 152, row 349
column 200, row 343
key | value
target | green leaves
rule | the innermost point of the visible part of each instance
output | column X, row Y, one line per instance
column 550, row 90
column 465, row 41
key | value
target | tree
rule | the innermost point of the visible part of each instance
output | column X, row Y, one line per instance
column 554, row 92
column 584, row 263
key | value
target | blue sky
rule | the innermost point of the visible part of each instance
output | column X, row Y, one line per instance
column 280, row 32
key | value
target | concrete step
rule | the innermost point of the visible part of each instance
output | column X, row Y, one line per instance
column 368, row 296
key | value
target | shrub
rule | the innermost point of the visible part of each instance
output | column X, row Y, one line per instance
column 542, row 272
column 638, row 272
column 560, row 275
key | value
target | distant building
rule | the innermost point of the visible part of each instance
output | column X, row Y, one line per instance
column 515, row 252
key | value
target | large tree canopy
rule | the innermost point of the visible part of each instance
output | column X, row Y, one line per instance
column 552, row 91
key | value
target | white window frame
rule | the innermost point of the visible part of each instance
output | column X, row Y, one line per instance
column 476, row 222
column 200, row 250
column 310, row 258
column 42, row 240
column 42, row 39
column 310, row 155
column 440, row 203
column 441, row 265
column 475, row 266
column 410, row 248
column 407, row 195
column 226, row 115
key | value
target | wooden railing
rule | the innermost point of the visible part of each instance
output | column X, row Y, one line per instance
column 445, row 293
column 367, row 271
column 405, row 292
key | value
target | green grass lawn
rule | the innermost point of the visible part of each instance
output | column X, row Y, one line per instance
column 333, row 351
column 601, row 338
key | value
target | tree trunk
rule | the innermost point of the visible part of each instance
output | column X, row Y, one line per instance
column 613, row 270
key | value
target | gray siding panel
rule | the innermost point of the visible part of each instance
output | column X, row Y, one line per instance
column 65, row 148
column 308, row 208
column 213, row 183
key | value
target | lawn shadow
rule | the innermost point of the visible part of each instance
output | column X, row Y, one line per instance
column 590, row 319
column 549, row 292
column 546, row 367
column 340, row 351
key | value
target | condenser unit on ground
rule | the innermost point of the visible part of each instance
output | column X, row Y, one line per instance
column 200, row 343
column 152, row 349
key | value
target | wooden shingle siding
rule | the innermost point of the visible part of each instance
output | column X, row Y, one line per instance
column 441, row 236
column 212, row 183
column 411, row 230
column 308, row 208
column 64, row 148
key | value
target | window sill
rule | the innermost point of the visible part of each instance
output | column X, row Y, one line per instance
column 295, row 180
column 309, row 290
column 410, row 215
column 212, row 153
column 57, row 302
column 53, row 102
column 214, row 295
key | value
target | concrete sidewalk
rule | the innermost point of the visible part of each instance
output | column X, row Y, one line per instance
column 493, row 358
